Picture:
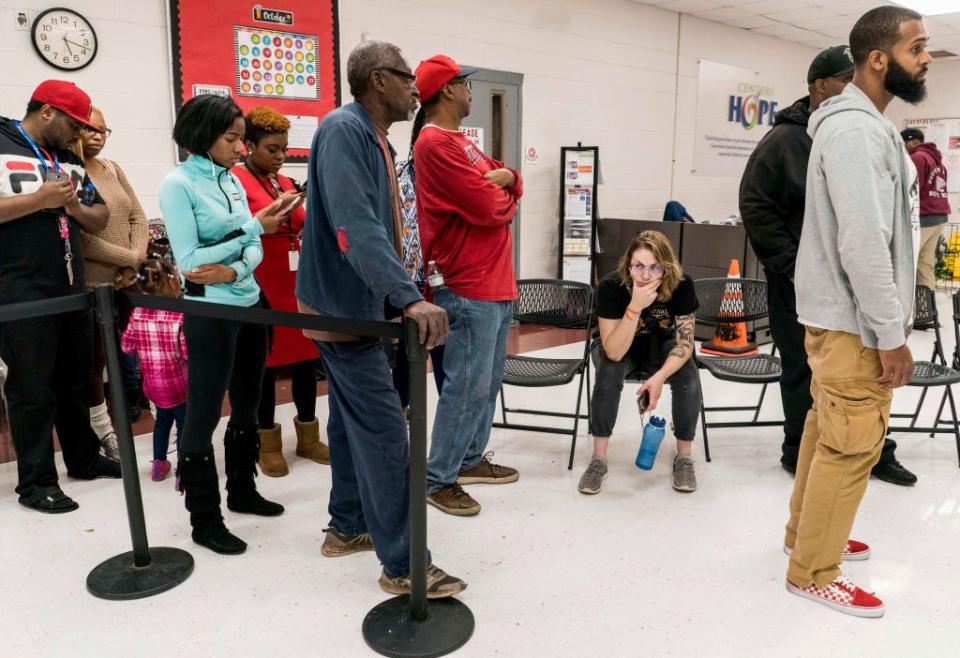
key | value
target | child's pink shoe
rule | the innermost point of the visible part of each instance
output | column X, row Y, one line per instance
column 160, row 470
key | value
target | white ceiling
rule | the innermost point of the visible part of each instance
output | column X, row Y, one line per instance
column 817, row 23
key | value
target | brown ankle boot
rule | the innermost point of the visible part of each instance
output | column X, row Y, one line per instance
column 309, row 444
column 271, row 458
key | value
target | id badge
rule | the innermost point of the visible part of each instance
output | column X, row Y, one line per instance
column 294, row 258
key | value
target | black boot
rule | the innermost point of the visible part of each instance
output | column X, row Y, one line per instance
column 241, row 448
column 197, row 475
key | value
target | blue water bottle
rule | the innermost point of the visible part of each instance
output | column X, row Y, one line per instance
column 653, row 433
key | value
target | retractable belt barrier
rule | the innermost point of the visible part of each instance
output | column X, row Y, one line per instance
column 408, row 625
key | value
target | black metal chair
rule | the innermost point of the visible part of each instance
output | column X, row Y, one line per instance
column 762, row 369
column 935, row 372
column 561, row 304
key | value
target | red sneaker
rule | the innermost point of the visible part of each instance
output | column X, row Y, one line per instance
column 843, row 596
column 855, row 550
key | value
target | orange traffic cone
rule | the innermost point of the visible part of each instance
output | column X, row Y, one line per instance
column 730, row 338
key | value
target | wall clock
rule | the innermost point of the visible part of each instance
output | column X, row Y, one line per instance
column 64, row 39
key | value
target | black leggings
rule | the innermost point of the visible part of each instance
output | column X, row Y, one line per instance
column 221, row 355
column 303, row 384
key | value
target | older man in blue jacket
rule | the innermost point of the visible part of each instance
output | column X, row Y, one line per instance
column 350, row 267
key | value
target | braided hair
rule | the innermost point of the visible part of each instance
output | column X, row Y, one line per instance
column 153, row 274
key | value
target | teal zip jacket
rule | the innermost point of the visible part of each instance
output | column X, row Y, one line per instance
column 208, row 221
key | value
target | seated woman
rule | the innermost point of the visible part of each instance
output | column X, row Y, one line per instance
column 645, row 311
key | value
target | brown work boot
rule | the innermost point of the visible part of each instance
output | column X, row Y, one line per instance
column 486, row 472
column 440, row 584
column 452, row 499
column 309, row 444
column 336, row 544
column 271, row 458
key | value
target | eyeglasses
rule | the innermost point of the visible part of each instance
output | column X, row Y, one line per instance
column 90, row 131
column 409, row 78
column 638, row 268
column 461, row 81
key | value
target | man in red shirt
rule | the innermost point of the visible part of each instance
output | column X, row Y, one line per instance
column 465, row 203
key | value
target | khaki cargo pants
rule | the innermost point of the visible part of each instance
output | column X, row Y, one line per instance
column 842, row 440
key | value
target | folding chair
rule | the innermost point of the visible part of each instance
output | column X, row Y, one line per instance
column 561, row 304
column 763, row 369
column 935, row 372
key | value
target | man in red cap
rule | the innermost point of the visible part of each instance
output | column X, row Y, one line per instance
column 46, row 199
column 465, row 203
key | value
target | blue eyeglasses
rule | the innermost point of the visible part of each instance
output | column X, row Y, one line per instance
column 638, row 268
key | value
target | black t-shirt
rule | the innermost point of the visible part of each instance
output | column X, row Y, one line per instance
column 657, row 321
column 32, row 265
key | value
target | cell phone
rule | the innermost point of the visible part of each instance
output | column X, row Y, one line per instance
column 643, row 401
column 53, row 176
column 293, row 205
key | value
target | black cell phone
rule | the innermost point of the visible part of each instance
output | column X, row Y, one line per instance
column 643, row 401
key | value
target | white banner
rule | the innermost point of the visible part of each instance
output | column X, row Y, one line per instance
column 734, row 111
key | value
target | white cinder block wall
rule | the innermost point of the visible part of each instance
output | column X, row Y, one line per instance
column 603, row 73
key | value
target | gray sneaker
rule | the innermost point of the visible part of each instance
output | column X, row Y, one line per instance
column 111, row 449
column 338, row 545
column 440, row 584
column 684, row 479
column 593, row 477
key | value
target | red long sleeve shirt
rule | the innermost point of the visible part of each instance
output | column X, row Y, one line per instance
column 464, row 219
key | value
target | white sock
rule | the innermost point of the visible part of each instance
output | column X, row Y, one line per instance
column 100, row 420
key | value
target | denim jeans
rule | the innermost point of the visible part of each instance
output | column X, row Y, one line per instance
column 473, row 369
column 684, row 391
column 162, row 426
column 369, row 453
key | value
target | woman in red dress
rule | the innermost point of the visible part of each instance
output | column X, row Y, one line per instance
column 266, row 141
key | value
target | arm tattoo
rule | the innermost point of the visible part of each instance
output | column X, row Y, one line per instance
column 684, row 337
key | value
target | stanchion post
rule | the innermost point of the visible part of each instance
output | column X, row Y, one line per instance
column 408, row 626
column 144, row 571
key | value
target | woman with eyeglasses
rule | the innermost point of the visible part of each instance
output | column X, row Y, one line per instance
column 216, row 242
column 645, row 312
column 110, row 256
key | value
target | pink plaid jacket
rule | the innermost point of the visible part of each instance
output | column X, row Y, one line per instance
column 157, row 338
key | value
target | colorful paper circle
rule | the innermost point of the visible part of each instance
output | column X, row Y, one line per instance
column 289, row 54
column 309, row 68
column 255, row 63
column 255, row 52
column 299, row 79
column 310, row 57
column 257, row 89
column 309, row 45
column 268, row 88
column 255, row 38
column 288, row 42
column 277, row 41
column 290, row 79
column 299, row 56
column 288, row 67
column 280, row 89
column 299, row 68
column 245, row 74
column 299, row 43
column 245, row 87
column 244, row 49
column 266, row 52
column 267, row 65
column 244, row 61
column 311, row 80
column 257, row 76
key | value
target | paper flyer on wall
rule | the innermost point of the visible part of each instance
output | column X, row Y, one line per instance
column 578, row 203
column 579, row 168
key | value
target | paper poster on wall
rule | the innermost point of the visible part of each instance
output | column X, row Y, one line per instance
column 578, row 202
column 283, row 55
column 276, row 64
column 576, row 268
column 302, row 130
column 735, row 109
column 475, row 135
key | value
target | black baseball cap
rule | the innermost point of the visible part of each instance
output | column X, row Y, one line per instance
column 912, row 133
column 830, row 63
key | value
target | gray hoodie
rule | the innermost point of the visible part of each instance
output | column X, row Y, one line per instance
column 856, row 262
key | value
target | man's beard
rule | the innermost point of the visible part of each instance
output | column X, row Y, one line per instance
column 903, row 85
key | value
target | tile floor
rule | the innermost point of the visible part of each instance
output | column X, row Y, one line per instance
column 636, row 570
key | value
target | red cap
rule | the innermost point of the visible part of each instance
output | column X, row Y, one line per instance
column 437, row 71
column 66, row 97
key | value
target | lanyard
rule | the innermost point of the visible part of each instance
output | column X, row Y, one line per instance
column 39, row 152
column 63, row 224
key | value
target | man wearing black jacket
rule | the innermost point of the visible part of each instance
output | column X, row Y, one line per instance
column 772, row 194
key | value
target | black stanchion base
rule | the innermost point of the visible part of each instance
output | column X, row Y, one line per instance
column 391, row 631
column 118, row 579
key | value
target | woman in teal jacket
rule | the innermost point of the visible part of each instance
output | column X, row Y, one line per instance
column 217, row 246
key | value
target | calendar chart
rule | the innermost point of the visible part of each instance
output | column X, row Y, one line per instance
column 273, row 64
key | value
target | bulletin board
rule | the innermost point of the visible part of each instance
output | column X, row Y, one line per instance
column 945, row 133
column 579, row 171
column 284, row 56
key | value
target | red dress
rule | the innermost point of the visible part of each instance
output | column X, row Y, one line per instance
column 274, row 274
